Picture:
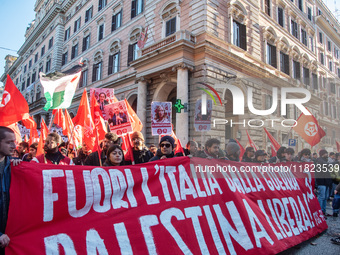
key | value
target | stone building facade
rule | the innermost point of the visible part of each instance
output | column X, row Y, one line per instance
column 257, row 44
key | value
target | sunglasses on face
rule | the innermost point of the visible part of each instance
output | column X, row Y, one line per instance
column 167, row 145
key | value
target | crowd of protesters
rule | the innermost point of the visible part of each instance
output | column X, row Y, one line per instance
column 112, row 154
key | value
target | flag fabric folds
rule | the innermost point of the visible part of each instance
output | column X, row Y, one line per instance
column 13, row 105
column 275, row 144
column 242, row 150
column 251, row 143
column 59, row 89
column 59, row 119
column 308, row 128
column 142, row 39
column 136, row 124
column 84, row 120
column 16, row 131
column 43, row 136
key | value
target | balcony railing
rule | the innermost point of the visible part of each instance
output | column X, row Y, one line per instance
column 180, row 35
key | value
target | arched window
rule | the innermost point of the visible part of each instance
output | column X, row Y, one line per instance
column 97, row 66
column 133, row 47
column 239, row 29
column 114, row 57
column 170, row 19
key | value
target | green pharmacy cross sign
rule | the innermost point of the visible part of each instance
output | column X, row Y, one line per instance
column 179, row 106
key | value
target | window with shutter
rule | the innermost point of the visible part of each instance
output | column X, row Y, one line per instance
column 170, row 27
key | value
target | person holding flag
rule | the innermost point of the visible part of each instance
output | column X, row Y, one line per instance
column 140, row 153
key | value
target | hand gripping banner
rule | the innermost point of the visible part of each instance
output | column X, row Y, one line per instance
column 173, row 206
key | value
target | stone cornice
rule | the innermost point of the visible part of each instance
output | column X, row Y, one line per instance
column 40, row 28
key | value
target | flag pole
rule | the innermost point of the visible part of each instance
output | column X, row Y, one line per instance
column 51, row 121
column 74, row 144
column 98, row 148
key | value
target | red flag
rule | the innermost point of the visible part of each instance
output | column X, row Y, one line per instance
column 59, row 118
column 275, row 144
column 338, row 146
column 136, row 124
column 84, row 119
column 26, row 139
column 274, row 151
column 16, row 131
column 143, row 38
column 251, row 143
column 28, row 121
column 308, row 128
column 43, row 136
column 179, row 148
column 128, row 148
column 43, row 130
column 34, row 137
column 242, row 150
column 97, row 117
column 13, row 105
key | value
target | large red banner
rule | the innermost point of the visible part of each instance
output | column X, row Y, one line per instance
column 173, row 206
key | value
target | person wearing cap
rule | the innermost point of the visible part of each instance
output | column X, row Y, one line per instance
column 248, row 155
column 260, row 156
column 166, row 148
column 93, row 159
column 233, row 151
column 140, row 153
column 323, row 179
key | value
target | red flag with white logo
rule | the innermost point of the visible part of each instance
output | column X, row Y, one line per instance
column 308, row 128
column 13, row 105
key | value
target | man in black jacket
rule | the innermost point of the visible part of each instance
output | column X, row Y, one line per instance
column 323, row 179
column 93, row 158
column 140, row 153
column 248, row 155
column 167, row 146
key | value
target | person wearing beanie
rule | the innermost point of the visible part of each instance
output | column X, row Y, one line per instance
column 140, row 153
column 248, row 155
column 166, row 148
column 323, row 179
column 233, row 151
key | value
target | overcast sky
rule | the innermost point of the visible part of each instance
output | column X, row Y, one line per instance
column 15, row 15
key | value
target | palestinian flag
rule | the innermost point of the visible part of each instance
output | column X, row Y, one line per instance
column 59, row 88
